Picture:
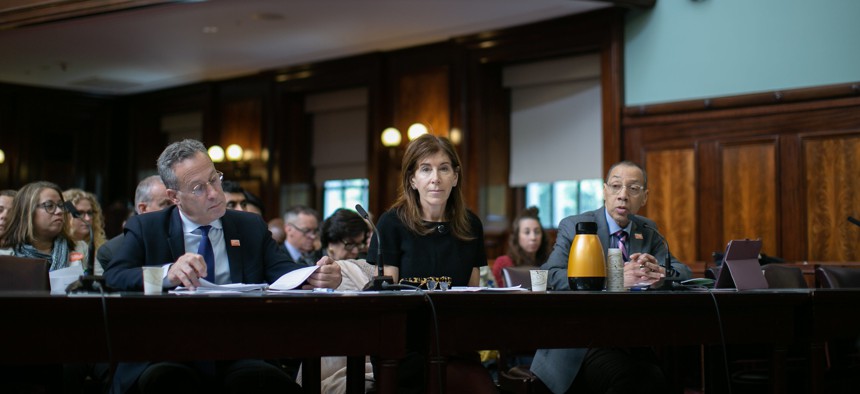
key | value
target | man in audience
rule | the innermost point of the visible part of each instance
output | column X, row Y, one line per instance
column 234, row 194
column 276, row 226
column 599, row 370
column 199, row 238
column 6, row 198
column 301, row 224
column 254, row 204
column 150, row 196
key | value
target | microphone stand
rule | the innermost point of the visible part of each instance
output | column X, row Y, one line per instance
column 89, row 278
column 380, row 282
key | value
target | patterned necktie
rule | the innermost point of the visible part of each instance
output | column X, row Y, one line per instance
column 205, row 250
column 621, row 237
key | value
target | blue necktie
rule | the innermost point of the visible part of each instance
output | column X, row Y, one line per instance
column 205, row 250
column 621, row 243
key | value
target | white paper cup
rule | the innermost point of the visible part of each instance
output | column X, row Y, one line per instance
column 152, row 279
column 538, row 278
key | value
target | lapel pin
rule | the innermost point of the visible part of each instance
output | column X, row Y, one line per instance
column 234, row 242
column 637, row 236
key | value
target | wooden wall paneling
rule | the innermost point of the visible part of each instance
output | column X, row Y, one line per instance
column 831, row 168
column 792, row 198
column 749, row 192
column 672, row 199
column 709, row 200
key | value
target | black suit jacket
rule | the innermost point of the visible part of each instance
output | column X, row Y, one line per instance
column 157, row 238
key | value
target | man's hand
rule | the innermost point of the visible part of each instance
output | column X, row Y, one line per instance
column 328, row 275
column 187, row 271
column 642, row 269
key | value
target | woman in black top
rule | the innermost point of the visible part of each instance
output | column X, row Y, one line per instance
column 428, row 232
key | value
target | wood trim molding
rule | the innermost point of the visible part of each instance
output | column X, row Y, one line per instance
column 747, row 100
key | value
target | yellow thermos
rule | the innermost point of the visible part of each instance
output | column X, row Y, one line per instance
column 586, row 264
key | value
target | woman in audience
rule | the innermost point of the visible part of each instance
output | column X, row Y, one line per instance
column 35, row 227
column 343, row 236
column 527, row 245
column 6, row 198
column 428, row 232
column 91, row 216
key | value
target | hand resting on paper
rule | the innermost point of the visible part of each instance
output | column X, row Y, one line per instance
column 187, row 271
column 328, row 275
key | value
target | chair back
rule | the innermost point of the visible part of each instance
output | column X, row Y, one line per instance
column 832, row 277
column 783, row 277
column 23, row 273
column 518, row 275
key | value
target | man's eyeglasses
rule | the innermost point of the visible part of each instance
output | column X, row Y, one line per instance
column 199, row 189
column 306, row 231
column 632, row 190
column 51, row 207
column 353, row 245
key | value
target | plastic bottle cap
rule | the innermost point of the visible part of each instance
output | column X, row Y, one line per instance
column 586, row 228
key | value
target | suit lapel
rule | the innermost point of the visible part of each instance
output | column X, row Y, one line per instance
column 602, row 228
column 233, row 245
column 635, row 239
column 175, row 235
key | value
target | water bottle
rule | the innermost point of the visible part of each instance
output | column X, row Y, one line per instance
column 586, row 264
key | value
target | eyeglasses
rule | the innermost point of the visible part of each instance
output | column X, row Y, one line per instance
column 199, row 189
column 308, row 232
column 350, row 245
column 51, row 207
column 86, row 213
column 233, row 204
column 632, row 190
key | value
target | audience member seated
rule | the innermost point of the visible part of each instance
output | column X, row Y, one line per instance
column 150, row 196
column 234, row 194
column 343, row 236
column 6, row 198
column 91, row 216
column 255, row 205
column 201, row 225
column 35, row 227
column 527, row 245
column 276, row 227
column 301, row 224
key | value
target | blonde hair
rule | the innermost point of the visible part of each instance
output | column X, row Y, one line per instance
column 19, row 229
column 75, row 195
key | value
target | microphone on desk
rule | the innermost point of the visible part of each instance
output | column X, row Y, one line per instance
column 380, row 281
column 671, row 278
column 854, row 221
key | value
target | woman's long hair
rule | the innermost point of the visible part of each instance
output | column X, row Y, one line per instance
column 19, row 230
column 516, row 252
column 75, row 195
column 408, row 204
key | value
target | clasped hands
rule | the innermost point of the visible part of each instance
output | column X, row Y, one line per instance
column 190, row 267
column 642, row 269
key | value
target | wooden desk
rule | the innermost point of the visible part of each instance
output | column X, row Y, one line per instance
column 834, row 317
column 588, row 319
column 43, row 328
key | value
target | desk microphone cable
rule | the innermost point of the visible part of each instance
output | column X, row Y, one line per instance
column 98, row 286
column 722, row 342
column 421, row 291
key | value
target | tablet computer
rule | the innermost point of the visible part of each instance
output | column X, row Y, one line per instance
column 741, row 269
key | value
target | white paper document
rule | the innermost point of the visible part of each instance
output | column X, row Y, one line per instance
column 62, row 278
column 473, row 289
column 293, row 279
column 288, row 281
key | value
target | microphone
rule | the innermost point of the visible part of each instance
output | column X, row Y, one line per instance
column 380, row 281
column 854, row 221
column 671, row 274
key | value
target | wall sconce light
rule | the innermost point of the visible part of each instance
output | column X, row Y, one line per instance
column 234, row 152
column 416, row 130
column 216, row 153
column 2, row 156
column 391, row 137
column 455, row 135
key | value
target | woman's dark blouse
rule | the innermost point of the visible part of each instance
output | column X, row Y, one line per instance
column 436, row 254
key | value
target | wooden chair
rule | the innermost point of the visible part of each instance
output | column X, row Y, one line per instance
column 23, row 273
column 835, row 277
column 783, row 277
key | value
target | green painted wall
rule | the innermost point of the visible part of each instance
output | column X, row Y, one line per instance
column 684, row 49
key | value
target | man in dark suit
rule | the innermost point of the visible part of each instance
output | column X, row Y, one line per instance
column 199, row 238
column 605, row 370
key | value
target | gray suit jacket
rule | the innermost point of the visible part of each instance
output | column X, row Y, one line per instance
column 558, row 367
